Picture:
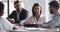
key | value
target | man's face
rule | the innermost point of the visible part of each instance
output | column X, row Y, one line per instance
column 51, row 9
column 17, row 6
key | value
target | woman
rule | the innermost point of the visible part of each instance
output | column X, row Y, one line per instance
column 36, row 13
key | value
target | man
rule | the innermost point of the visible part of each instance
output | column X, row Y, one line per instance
column 19, row 14
column 53, row 8
column 5, row 25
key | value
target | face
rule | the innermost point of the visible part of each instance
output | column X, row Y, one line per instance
column 1, row 14
column 37, row 10
column 51, row 9
column 17, row 6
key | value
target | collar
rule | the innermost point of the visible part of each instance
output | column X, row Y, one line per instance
column 35, row 18
column 55, row 15
column 19, row 11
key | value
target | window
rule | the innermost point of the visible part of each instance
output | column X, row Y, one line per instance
column 9, row 7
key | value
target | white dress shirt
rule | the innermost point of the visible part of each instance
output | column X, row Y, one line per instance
column 5, row 25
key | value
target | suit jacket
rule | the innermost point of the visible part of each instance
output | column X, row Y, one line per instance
column 23, row 15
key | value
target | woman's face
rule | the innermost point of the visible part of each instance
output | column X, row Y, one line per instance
column 37, row 10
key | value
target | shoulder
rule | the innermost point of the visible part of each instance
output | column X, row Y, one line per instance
column 3, row 19
column 43, row 17
column 57, row 15
column 24, row 10
column 29, row 18
column 14, row 11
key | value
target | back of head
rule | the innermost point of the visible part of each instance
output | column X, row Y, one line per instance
column 54, row 4
column 1, row 8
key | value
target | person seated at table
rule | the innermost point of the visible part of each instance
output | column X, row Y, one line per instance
column 36, row 15
column 19, row 14
column 55, row 22
column 5, row 25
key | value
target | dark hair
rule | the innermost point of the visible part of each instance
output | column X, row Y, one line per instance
column 1, row 8
column 16, row 2
column 54, row 4
column 36, row 4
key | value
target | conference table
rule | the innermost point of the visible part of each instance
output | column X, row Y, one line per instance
column 33, row 29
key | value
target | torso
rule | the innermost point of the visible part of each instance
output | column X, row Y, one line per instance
column 40, row 21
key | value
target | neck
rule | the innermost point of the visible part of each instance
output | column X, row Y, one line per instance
column 55, row 11
column 18, row 11
column 37, row 17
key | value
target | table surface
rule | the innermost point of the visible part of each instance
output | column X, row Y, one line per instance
column 32, row 29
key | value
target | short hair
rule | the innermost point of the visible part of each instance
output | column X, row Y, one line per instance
column 1, row 7
column 16, row 2
column 54, row 4
column 35, row 4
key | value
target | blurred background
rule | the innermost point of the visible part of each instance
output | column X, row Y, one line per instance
column 27, row 4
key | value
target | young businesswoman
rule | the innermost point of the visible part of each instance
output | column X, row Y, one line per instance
column 36, row 15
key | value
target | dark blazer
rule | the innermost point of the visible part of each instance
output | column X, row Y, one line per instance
column 23, row 15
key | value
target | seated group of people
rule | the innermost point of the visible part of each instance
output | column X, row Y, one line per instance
column 20, row 16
